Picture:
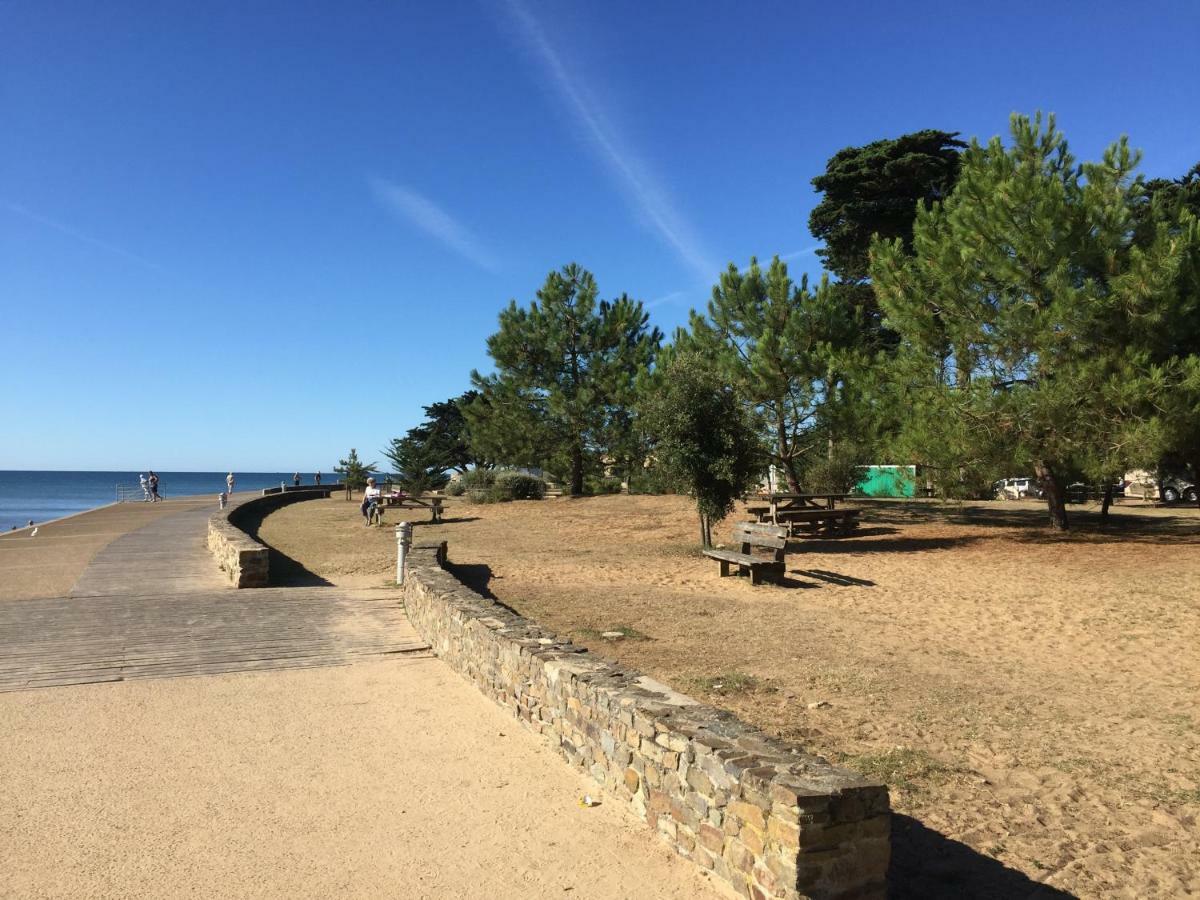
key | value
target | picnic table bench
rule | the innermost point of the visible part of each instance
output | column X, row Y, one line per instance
column 752, row 535
column 806, row 513
column 403, row 501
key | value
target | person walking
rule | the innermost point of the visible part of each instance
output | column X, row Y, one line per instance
column 229, row 484
column 145, row 488
column 296, row 480
column 153, row 482
column 317, row 478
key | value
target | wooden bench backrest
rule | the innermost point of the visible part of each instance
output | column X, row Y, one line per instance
column 755, row 534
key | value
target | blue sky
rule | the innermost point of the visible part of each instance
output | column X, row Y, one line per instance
column 251, row 236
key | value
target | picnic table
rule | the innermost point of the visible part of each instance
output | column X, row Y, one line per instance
column 780, row 502
column 810, row 513
column 398, row 500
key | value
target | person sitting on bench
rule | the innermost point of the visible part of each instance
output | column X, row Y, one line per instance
column 372, row 499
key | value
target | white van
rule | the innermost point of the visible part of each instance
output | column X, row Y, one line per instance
column 1020, row 488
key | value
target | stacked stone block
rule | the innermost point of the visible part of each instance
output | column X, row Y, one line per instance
column 769, row 819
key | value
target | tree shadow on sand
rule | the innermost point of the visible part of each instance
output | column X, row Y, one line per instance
column 863, row 543
column 1032, row 523
column 930, row 866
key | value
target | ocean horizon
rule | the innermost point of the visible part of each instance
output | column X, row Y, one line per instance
column 42, row 495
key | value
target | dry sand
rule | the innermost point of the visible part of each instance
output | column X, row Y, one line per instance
column 1033, row 701
column 382, row 779
column 48, row 564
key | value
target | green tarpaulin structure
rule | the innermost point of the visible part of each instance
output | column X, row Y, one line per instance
column 887, row 481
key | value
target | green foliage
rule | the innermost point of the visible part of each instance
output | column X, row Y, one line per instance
column 477, row 479
column 354, row 471
column 874, row 191
column 486, row 486
column 455, row 487
column 1027, row 310
column 836, row 472
column 418, row 465
column 422, row 458
column 791, row 353
column 651, row 480
column 518, row 486
column 704, row 439
column 566, row 369
column 603, row 484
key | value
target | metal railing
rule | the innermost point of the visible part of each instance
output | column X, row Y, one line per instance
column 127, row 492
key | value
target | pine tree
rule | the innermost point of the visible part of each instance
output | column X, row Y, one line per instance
column 418, row 462
column 788, row 351
column 1027, row 308
column 354, row 471
column 565, row 367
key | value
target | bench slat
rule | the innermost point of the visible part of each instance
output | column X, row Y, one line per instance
column 810, row 515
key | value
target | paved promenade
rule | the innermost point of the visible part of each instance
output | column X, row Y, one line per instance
column 166, row 735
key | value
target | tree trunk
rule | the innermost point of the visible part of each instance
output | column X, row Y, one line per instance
column 705, row 531
column 1055, row 502
column 576, row 469
column 785, row 459
column 1108, row 495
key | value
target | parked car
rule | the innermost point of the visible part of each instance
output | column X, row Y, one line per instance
column 1172, row 490
column 1017, row 488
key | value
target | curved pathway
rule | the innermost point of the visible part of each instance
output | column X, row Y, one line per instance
column 361, row 767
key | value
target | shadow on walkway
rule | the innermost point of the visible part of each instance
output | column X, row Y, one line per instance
column 931, row 866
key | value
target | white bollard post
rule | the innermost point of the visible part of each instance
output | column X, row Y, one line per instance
column 403, row 542
column 282, row 488
column 221, row 499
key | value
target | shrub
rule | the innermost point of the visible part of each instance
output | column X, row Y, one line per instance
column 602, row 485
column 476, row 479
column 518, row 486
column 456, row 488
column 481, row 495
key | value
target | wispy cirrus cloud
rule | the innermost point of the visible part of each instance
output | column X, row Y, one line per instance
column 83, row 236
column 426, row 215
column 635, row 179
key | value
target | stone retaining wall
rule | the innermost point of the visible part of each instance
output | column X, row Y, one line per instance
column 769, row 819
column 240, row 556
column 291, row 488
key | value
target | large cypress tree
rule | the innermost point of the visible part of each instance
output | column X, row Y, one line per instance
column 565, row 370
column 874, row 191
column 1028, row 306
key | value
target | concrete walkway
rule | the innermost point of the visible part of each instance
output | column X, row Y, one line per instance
column 320, row 751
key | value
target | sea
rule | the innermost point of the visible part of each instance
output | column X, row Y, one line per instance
column 41, row 496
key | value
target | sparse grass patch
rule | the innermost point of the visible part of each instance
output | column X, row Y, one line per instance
column 901, row 767
column 611, row 633
column 728, row 683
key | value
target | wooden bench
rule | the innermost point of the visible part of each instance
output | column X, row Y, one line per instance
column 752, row 535
column 825, row 522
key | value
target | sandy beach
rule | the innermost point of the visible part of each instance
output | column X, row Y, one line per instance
column 1032, row 700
